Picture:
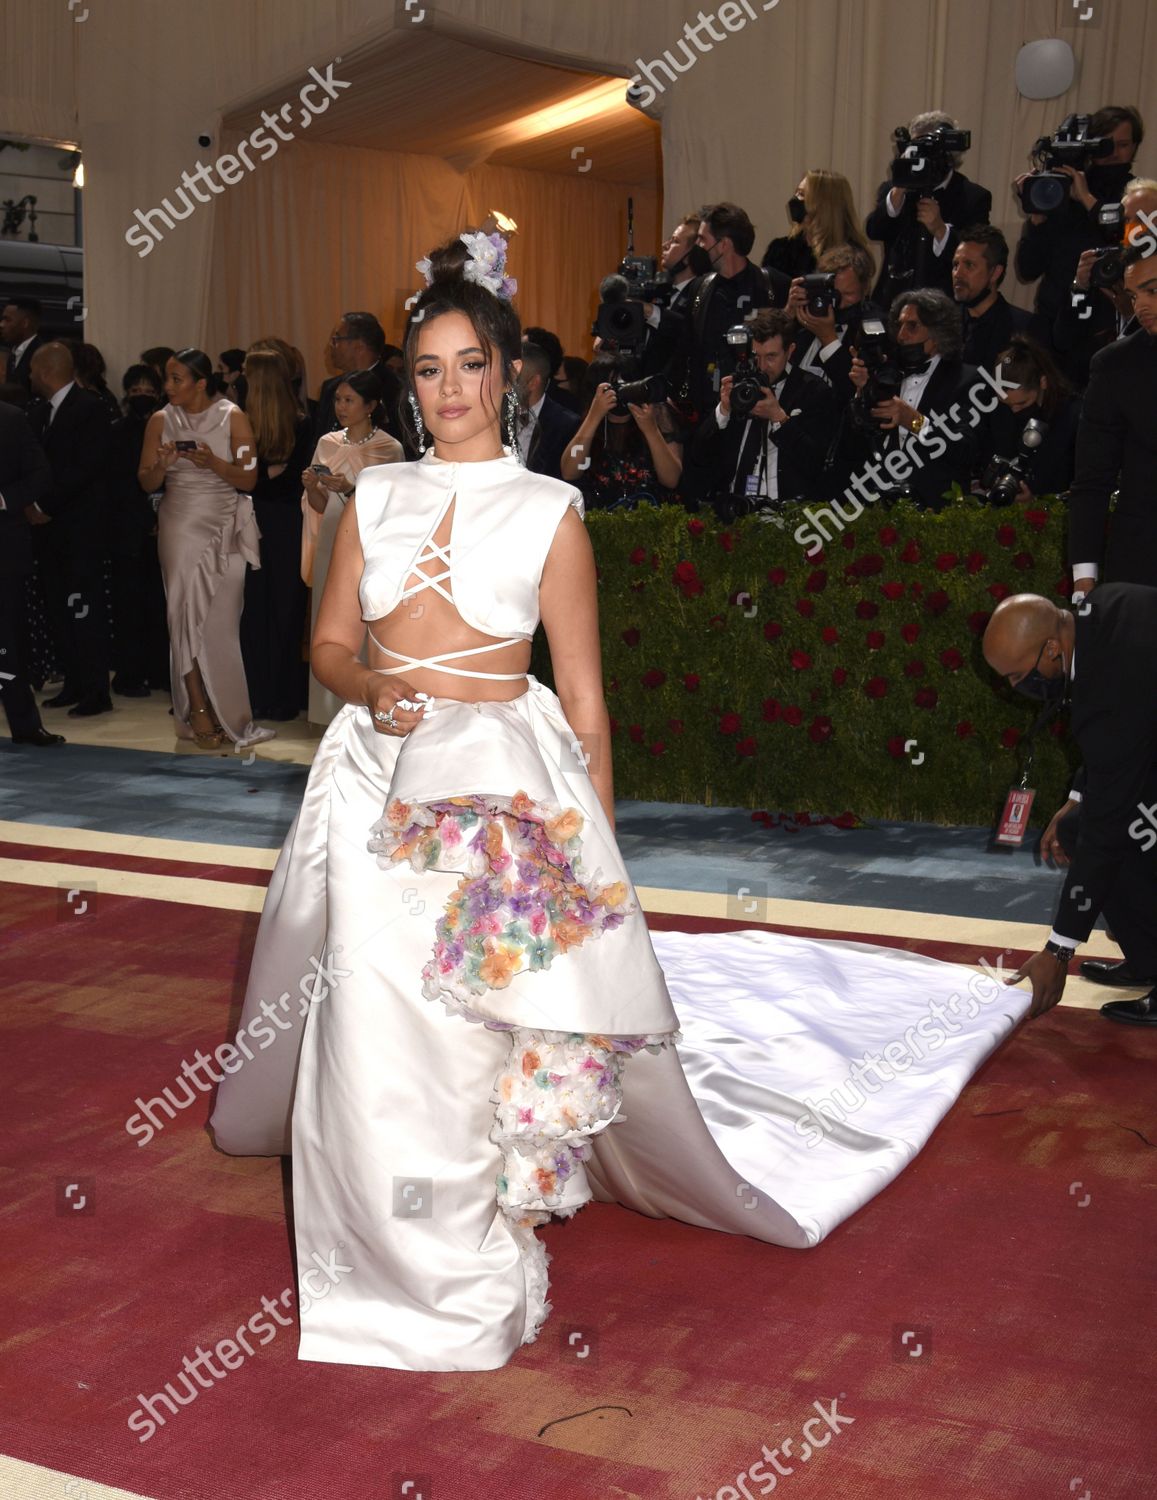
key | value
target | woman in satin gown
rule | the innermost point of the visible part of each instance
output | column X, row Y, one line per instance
column 457, row 1020
column 356, row 445
column 200, row 449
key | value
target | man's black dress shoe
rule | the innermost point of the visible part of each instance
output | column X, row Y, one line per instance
column 1113, row 971
column 62, row 700
column 39, row 737
column 99, row 703
column 1141, row 1012
column 129, row 689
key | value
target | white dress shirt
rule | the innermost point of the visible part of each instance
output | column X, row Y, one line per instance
column 911, row 391
column 526, row 430
column 771, row 451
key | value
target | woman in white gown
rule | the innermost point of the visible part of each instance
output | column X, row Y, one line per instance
column 445, row 1033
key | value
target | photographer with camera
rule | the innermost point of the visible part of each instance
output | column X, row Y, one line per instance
column 914, row 408
column 923, row 204
column 978, row 270
column 1035, row 424
column 682, row 263
column 731, row 290
column 823, row 216
column 1099, row 309
column 765, row 441
column 829, row 304
column 1117, row 445
column 1085, row 165
column 629, row 446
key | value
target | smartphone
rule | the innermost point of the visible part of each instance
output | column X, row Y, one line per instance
column 185, row 445
column 321, row 468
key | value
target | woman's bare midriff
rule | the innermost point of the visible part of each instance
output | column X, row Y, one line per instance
column 428, row 625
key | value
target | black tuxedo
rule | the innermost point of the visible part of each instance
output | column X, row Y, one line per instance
column 554, row 428
column 987, row 336
column 24, row 479
column 722, row 458
column 1117, row 449
column 72, row 547
column 20, row 373
column 324, row 420
column 910, row 259
column 1114, row 722
column 937, row 461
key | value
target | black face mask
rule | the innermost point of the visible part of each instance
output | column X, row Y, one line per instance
column 141, row 406
column 978, row 299
column 796, row 210
column 911, row 358
column 1108, row 182
column 1036, row 685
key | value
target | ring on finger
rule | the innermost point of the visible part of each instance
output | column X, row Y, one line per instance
column 387, row 719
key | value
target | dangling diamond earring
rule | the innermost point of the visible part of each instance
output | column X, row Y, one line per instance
column 511, row 423
column 419, row 426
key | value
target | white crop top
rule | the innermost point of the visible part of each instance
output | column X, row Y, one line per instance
column 503, row 525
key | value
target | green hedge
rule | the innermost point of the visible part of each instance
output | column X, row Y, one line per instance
column 740, row 672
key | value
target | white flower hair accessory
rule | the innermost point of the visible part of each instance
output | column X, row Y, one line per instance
column 486, row 264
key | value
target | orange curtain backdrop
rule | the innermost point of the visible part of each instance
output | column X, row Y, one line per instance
column 322, row 229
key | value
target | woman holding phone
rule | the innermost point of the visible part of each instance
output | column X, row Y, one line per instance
column 199, row 449
column 329, row 482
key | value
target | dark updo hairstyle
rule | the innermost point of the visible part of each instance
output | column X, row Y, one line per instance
column 493, row 318
column 370, row 387
column 200, row 367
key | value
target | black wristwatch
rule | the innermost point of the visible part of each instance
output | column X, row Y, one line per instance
column 1062, row 954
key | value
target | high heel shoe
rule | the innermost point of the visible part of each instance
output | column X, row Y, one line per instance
column 206, row 739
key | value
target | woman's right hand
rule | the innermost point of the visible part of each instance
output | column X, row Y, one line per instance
column 604, row 402
column 382, row 694
column 317, row 497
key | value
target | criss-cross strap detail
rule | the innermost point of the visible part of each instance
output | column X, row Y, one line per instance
column 435, row 553
column 407, row 663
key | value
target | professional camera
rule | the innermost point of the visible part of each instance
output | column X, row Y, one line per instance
column 888, row 365
column 643, row 392
column 1045, row 189
column 749, row 384
column 923, row 161
column 1004, row 476
column 820, row 290
column 620, row 323
column 1110, row 267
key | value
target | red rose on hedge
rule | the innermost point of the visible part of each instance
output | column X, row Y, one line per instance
column 839, row 676
column 614, row 723
column 631, row 636
column 888, row 536
column 937, row 602
column 686, row 577
column 876, row 687
column 817, row 582
column 848, row 541
column 695, row 526
column 770, row 710
column 806, row 607
column 801, row 661
column 675, row 726
column 793, row 715
column 657, row 748
column 976, row 561
column 926, row 698
column 1010, row 738
column 896, row 746
column 726, row 541
column 777, row 576
column 1036, row 519
column 820, row 729
column 910, row 632
column 999, row 591
column 946, row 562
column 875, row 640
column 730, row 724
column 691, row 682
column 772, row 630
column 867, row 610
column 745, row 747
column 636, row 733
column 871, row 564
column 829, row 635
column 638, row 555
column 1006, row 535
column 964, row 729
column 978, row 621
column 914, row 668
column 654, row 678
column 911, row 552
column 1023, row 561
column 892, row 590
column 951, row 659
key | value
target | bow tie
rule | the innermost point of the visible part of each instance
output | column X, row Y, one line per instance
column 917, row 369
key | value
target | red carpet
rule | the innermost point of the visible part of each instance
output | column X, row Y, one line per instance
column 1018, row 1251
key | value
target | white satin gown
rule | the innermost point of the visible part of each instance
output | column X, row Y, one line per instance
column 458, row 1023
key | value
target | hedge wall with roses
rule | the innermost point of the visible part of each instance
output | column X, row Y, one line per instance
column 740, row 672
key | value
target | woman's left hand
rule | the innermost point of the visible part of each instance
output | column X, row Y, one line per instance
column 203, row 458
column 334, row 482
column 644, row 417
